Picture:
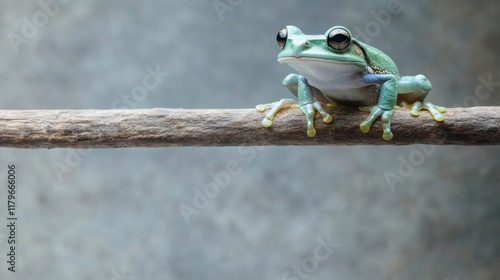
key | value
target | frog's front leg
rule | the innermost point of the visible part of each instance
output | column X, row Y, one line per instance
column 418, row 85
column 386, row 102
column 298, row 85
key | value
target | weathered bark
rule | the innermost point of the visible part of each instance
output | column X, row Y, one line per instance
column 236, row 127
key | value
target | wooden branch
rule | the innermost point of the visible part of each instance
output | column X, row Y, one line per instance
column 236, row 127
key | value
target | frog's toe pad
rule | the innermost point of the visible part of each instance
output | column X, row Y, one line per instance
column 327, row 119
column 387, row 135
column 365, row 126
column 262, row 107
column 267, row 122
column 365, row 108
column 311, row 132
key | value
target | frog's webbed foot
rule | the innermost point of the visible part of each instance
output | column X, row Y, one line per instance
column 375, row 112
column 433, row 109
column 308, row 109
column 274, row 108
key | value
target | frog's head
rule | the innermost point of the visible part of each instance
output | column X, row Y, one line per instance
column 312, row 55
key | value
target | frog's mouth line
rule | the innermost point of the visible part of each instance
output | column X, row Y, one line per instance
column 321, row 60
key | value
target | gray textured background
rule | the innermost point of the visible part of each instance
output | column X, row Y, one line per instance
column 116, row 214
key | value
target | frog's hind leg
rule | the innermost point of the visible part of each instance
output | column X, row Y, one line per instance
column 412, row 91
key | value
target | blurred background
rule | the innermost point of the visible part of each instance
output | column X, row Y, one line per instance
column 365, row 212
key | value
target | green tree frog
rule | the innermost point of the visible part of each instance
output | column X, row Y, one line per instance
column 335, row 68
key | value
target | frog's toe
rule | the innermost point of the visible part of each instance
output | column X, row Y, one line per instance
column 308, row 110
column 365, row 108
column 387, row 135
column 433, row 109
column 365, row 126
column 375, row 112
column 274, row 108
column 386, row 125
column 263, row 107
column 386, row 117
column 276, row 105
column 267, row 122
column 311, row 131
column 415, row 108
column 327, row 118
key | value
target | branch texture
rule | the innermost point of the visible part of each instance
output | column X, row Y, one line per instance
column 236, row 127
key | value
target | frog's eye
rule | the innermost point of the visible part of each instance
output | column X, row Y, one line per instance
column 339, row 38
column 281, row 37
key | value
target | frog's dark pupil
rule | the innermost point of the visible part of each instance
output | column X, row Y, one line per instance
column 281, row 38
column 339, row 38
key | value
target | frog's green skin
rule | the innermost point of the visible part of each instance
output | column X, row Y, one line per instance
column 338, row 69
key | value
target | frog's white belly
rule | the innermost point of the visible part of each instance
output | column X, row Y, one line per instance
column 339, row 82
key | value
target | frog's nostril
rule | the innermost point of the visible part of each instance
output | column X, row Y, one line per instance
column 306, row 43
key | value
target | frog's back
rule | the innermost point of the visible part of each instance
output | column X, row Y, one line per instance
column 378, row 61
